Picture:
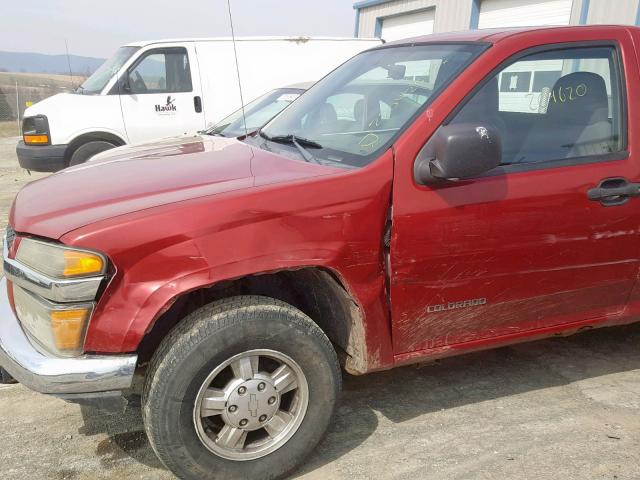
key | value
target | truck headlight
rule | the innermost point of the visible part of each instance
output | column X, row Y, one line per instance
column 58, row 328
column 35, row 130
column 58, row 261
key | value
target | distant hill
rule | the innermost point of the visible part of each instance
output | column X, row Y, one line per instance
column 42, row 63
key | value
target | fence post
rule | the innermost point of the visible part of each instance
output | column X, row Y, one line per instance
column 18, row 110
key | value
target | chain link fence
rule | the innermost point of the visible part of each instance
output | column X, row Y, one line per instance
column 9, row 112
column 19, row 91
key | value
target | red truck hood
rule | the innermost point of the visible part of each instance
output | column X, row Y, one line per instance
column 129, row 179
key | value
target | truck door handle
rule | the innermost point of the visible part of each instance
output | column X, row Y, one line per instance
column 197, row 104
column 611, row 192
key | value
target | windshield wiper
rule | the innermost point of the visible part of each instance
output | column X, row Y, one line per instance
column 292, row 139
column 211, row 132
column 298, row 142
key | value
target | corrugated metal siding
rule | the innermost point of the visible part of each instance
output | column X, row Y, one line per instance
column 455, row 16
column 369, row 15
column 606, row 11
column 576, row 10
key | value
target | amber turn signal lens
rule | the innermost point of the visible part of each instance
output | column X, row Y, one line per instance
column 36, row 139
column 77, row 263
column 68, row 328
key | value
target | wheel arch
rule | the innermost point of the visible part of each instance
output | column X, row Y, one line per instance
column 91, row 137
column 318, row 292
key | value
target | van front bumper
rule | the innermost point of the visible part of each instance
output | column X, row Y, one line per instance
column 57, row 375
column 41, row 158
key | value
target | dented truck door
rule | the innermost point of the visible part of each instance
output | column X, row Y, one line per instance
column 550, row 237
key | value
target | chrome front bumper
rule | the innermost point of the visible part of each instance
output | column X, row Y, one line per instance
column 56, row 375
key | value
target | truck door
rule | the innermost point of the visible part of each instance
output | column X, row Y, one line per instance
column 551, row 237
column 162, row 95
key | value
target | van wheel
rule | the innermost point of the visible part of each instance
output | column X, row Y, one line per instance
column 88, row 150
column 233, row 383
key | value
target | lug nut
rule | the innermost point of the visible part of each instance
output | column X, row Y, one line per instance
column 242, row 390
column 261, row 386
column 271, row 400
column 243, row 422
column 262, row 418
column 233, row 409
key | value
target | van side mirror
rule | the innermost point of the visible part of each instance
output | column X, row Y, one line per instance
column 457, row 152
column 125, row 85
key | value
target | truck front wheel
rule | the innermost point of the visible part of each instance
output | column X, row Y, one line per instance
column 233, row 384
column 86, row 151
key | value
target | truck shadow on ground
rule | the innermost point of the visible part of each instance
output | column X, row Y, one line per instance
column 405, row 393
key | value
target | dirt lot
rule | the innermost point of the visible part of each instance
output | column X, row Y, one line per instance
column 7, row 129
column 565, row 408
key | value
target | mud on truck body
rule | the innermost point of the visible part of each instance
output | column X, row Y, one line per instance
column 428, row 198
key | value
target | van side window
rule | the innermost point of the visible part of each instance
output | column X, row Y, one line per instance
column 161, row 71
column 552, row 106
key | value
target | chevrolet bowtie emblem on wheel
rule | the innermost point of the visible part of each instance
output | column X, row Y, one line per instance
column 253, row 405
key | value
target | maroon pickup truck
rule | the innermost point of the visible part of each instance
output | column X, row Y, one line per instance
column 428, row 198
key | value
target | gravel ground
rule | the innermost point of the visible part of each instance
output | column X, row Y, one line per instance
column 563, row 408
column 12, row 177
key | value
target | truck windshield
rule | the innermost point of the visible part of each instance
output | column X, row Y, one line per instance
column 96, row 82
column 357, row 111
column 257, row 113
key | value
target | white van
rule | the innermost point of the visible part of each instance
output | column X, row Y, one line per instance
column 151, row 90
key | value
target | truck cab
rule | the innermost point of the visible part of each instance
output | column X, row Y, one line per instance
column 430, row 197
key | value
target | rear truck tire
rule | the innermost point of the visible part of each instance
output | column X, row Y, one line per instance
column 241, row 388
column 86, row 151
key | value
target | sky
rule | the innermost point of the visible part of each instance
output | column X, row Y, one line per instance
column 96, row 28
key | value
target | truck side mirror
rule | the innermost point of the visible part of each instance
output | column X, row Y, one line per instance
column 457, row 152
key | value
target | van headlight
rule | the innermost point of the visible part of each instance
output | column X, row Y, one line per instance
column 58, row 261
column 57, row 327
column 35, row 130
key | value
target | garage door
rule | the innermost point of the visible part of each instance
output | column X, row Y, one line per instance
column 407, row 25
column 524, row 13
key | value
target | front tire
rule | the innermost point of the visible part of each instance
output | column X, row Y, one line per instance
column 241, row 388
column 88, row 150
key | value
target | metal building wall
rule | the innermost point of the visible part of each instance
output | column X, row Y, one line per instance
column 455, row 16
column 452, row 15
column 577, row 9
column 617, row 11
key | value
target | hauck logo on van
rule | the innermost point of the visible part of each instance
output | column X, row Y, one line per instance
column 168, row 108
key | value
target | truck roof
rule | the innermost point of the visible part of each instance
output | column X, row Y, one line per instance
column 300, row 38
column 494, row 35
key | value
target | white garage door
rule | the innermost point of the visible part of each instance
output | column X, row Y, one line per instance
column 407, row 25
column 524, row 13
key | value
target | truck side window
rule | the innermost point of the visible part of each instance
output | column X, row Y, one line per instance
column 552, row 106
column 161, row 71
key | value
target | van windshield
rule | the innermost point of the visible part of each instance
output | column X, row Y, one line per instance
column 358, row 110
column 96, row 82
